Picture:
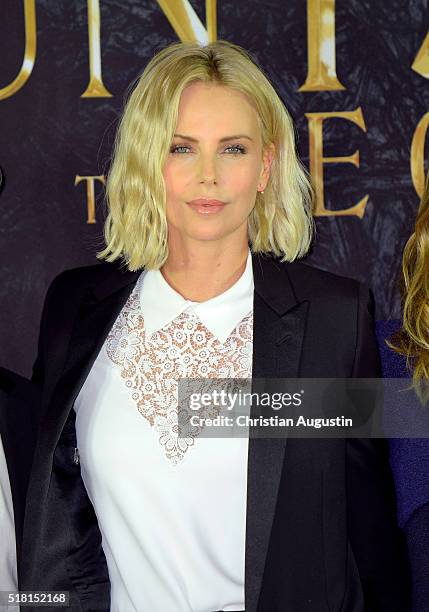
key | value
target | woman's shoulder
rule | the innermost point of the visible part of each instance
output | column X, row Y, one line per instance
column 387, row 327
column 75, row 281
column 313, row 283
column 322, row 278
column 83, row 275
column 67, row 289
column 393, row 365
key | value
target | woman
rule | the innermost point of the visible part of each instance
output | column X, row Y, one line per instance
column 123, row 513
column 409, row 457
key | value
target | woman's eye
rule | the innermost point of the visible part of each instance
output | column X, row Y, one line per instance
column 240, row 149
column 176, row 147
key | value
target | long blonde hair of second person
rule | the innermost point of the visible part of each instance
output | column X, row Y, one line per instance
column 135, row 231
column 412, row 340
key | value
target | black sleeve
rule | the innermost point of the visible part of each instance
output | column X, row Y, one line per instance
column 376, row 541
column 21, row 401
column 18, row 405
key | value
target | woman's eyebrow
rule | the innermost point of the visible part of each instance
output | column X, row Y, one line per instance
column 233, row 137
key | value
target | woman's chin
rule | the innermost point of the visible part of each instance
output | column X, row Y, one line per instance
column 208, row 231
column 212, row 234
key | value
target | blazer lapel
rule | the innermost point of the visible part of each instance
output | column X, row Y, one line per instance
column 279, row 326
column 99, row 308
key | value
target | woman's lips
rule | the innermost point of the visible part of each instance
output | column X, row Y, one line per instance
column 207, row 207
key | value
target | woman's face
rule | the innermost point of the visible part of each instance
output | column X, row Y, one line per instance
column 216, row 153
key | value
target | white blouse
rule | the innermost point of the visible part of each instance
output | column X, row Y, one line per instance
column 172, row 511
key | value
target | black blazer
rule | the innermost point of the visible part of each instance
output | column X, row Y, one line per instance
column 321, row 533
column 18, row 424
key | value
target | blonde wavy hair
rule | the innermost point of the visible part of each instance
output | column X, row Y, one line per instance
column 412, row 340
column 135, row 230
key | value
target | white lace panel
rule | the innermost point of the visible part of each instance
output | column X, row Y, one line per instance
column 150, row 366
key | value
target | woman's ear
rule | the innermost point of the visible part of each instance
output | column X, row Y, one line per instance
column 268, row 158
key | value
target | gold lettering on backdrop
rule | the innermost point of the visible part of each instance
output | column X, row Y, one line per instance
column 321, row 73
column 417, row 159
column 186, row 23
column 317, row 159
column 90, row 193
column 421, row 63
column 29, row 52
column 96, row 88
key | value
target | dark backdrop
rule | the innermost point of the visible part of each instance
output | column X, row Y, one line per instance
column 49, row 134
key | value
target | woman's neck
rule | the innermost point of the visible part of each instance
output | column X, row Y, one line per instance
column 200, row 272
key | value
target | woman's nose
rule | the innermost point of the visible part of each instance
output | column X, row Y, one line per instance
column 207, row 168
